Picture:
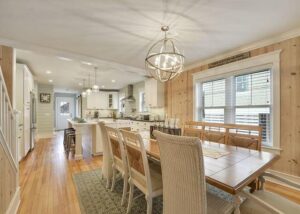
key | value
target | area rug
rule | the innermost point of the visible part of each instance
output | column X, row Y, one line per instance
column 96, row 199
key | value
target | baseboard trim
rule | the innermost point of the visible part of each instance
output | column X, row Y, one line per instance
column 98, row 154
column 14, row 204
column 285, row 176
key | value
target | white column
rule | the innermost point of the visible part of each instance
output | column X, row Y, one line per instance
column 78, row 142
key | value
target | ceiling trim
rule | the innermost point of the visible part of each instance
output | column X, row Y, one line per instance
column 51, row 51
column 262, row 43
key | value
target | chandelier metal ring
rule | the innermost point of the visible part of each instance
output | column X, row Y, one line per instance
column 163, row 60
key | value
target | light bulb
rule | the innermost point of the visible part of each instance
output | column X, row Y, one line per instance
column 88, row 91
column 83, row 94
column 95, row 88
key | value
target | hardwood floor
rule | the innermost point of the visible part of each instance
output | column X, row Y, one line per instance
column 46, row 178
column 47, row 185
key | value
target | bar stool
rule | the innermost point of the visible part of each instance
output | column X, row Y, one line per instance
column 70, row 144
column 66, row 132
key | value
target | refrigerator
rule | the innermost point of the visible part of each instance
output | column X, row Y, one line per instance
column 32, row 120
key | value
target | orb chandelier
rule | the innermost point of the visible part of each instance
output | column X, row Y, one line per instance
column 164, row 61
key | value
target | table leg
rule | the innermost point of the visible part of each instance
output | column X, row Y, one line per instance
column 78, row 143
column 237, row 202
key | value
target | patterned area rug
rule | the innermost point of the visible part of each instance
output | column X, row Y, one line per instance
column 96, row 199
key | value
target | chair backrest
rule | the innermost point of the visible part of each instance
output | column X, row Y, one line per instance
column 117, row 147
column 107, row 157
column 137, row 159
column 214, row 132
column 184, row 187
column 246, row 136
column 193, row 129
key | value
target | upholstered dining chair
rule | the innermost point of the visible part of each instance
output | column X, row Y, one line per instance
column 145, row 178
column 119, row 159
column 184, row 179
column 107, row 157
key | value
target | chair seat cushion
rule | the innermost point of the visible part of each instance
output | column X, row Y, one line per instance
column 216, row 205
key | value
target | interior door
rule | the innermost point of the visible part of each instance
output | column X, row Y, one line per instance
column 64, row 110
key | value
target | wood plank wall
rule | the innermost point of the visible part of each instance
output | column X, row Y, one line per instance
column 8, row 184
column 6, row 63
column 179, row 101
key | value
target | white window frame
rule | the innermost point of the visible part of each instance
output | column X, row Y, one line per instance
column 262, row 62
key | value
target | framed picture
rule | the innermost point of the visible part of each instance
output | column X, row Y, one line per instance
column 45, row 97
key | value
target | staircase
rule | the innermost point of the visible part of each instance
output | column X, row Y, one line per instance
column 9, row 187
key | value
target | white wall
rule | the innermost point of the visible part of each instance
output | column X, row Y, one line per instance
column 45, row 112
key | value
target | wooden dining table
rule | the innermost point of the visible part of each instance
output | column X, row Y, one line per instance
column 231, row 172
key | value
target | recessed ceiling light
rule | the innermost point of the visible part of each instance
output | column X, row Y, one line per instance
column 102, row 86
column 80, row 83
column 50, row 80
column 113, row 81
column 48, row 72
column 86, row 63
column 64, row 58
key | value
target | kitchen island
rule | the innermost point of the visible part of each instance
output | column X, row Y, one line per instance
column 92, row 128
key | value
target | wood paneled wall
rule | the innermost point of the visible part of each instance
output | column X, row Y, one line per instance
column 179, row 101
column 8, row 184
column 6, row 63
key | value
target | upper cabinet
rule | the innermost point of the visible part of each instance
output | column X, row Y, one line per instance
column 154, row 93
column 113, row 100
column 103, row 100
column 93, row 101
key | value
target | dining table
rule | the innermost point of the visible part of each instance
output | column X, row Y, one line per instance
column 228, row 168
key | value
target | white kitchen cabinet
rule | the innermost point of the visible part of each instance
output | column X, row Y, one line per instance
column 93, row 101
column 113, row 100
column 25, row 82
column 154, row 93
column 103, row 100
column 103, row 96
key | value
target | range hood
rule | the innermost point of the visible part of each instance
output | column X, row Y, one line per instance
column 129, row 94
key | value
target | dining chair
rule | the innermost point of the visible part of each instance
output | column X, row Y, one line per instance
column 107, row 157
column 193, row 129
column 247, row 136
column 146, row 179
column 119, row 159
column 214, row 132
column 263, row 201
column 184, row 178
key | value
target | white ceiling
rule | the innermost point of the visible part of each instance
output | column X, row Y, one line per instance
column 67, row 75
column 122, row 31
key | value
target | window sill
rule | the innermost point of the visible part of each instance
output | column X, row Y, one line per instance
column 272, row 149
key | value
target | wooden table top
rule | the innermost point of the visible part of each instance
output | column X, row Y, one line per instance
column 231, row 172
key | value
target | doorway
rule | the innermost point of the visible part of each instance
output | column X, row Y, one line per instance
column 64, row 110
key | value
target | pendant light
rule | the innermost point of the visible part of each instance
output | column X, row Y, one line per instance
column 83, row 93
column 164, row 61
column 95, row 86
column 89, row 90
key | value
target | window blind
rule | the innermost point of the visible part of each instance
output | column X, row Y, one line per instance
column 241, row 99
column 214, row 101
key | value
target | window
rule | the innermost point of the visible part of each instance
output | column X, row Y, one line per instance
column 64, row 108
column 214, row 101
column 240, row 99
column 142, row 102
